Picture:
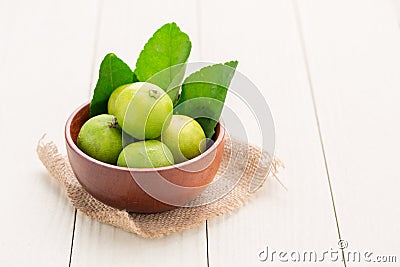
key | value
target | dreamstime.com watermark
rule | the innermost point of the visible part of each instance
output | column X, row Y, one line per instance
column 341, row 253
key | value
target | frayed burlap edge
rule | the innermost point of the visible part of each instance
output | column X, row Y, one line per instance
column 161, row 224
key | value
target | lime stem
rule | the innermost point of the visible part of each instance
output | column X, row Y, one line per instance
column 113, row 123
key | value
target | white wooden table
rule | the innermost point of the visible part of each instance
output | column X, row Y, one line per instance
column 330, row 71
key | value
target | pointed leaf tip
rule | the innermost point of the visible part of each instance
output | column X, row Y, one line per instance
column 113, row 73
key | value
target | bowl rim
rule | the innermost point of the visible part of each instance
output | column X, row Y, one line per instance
column 77, row 150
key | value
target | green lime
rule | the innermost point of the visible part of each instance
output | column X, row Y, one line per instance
column 123, row 101
column 113, row 97
column 184, row 137
column 142, row 113
column 145, row 154
column 100, row 137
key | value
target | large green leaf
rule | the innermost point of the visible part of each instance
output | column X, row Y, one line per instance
column 113, row 73
column 161, row 60
column 203, row 94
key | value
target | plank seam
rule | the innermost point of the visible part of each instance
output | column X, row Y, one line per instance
column 310, row 83
column 208, row 258
column 199, row 33
column 72, row 240
column 95, row 45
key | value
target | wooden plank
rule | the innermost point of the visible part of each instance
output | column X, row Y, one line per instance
column 46, row 54
column 97, row 244
column 263, row 36
column 354, row 60
column 125, row 28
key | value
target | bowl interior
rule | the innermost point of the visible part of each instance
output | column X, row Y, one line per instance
column 78, row 120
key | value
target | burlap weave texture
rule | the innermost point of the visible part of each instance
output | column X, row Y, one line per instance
column 253, row 174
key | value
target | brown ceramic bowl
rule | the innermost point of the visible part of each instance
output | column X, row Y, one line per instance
column 143, row 190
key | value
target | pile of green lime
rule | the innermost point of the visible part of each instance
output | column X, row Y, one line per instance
column 135, row 120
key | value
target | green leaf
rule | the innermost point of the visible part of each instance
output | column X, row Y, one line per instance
column 203, row 95
column 112, row 74
column 164, row 55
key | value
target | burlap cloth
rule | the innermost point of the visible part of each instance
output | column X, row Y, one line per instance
column 254, row 171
